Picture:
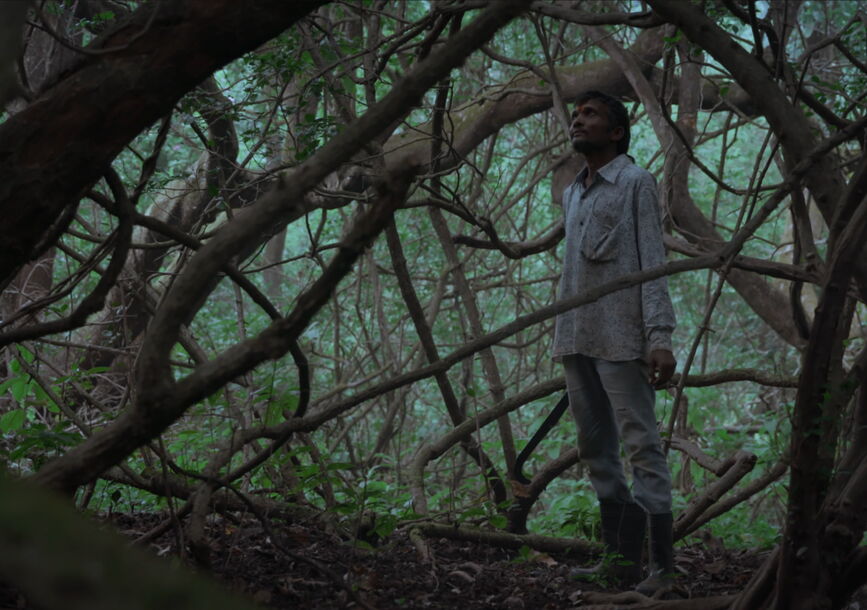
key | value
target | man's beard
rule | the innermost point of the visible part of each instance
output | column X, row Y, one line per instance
column 584, row 147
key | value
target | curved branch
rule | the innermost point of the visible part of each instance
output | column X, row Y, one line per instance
column 723, row 506
column 57, row 147
column 645, row 19
column 230, row 270
column 546, row 544
column 191, row 287
column 783, row 271
column 465, row 429
column 156, row 410
column 452, row 404
column 526, row 495
column 787, row 121
column 734, row 375
column 742, row 466
column 94, row 301
column 481, row 118
column 514, row 249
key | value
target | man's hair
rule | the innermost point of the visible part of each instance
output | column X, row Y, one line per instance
column 617, row 115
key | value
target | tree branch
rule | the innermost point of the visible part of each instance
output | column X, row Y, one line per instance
column 74, row 130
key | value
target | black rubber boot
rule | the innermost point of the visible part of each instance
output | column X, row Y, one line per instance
column 660, row 579
column 623, row 528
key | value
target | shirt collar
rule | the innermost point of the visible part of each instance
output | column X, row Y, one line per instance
column 612, row 169
column 609, row 171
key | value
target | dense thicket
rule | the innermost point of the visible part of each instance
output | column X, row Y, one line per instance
column 301, row 258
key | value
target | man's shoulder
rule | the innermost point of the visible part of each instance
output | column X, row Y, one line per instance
column 632, row 173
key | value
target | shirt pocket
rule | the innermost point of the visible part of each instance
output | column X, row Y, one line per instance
column 603, row 233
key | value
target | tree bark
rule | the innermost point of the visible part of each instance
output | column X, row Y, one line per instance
column 806, row 578
column 56, row 148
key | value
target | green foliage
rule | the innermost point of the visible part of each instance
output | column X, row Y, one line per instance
column 24, row 390
column 39, row 443
column 570, row 510
column 525, row 554
column 312, row 132
column 111, row 497
column 32, row 428
column 98, row 20
column 748, row 526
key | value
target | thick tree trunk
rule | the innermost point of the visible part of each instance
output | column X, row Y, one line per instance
column 818, row 524
column 54, row 150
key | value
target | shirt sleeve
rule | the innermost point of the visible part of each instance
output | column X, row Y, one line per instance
column 564, row 203
column 656, row 305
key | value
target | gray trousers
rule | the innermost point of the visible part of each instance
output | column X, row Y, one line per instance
column 613, row 401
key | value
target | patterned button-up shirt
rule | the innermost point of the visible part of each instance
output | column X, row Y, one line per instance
column 613, row 227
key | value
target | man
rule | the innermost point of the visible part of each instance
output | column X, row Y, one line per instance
column 616, row 350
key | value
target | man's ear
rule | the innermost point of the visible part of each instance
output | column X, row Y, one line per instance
column 617, row 133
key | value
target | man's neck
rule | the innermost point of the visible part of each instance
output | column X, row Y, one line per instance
column 596, row 160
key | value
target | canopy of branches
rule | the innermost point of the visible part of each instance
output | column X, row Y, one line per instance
column 302, row 257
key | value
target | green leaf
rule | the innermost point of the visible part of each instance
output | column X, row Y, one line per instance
column 4, row 386
column 26, row 354
column 385, row 525
column 273, row 413
column 20, row 388
column 310, row 470
column 276, row 408
column 499, row 521
column 347, row 508
column 476, row 511
column 12, row 421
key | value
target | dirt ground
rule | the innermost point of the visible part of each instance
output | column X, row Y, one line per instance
column 282, row 574
column 391, row 575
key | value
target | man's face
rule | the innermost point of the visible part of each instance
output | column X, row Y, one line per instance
column 590, row 130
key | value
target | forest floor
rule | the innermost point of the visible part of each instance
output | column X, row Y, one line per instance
column 391, row 575
column 303, row 567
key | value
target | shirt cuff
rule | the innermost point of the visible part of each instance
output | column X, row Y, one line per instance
column 659, row 337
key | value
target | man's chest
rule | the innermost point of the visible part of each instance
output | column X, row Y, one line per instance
column 603, row 205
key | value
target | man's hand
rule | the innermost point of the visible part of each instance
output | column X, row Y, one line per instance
column 662, row 365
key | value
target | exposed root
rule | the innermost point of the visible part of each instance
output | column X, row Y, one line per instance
column 546, row 544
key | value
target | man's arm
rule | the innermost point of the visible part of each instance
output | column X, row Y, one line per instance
column 656, row 305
